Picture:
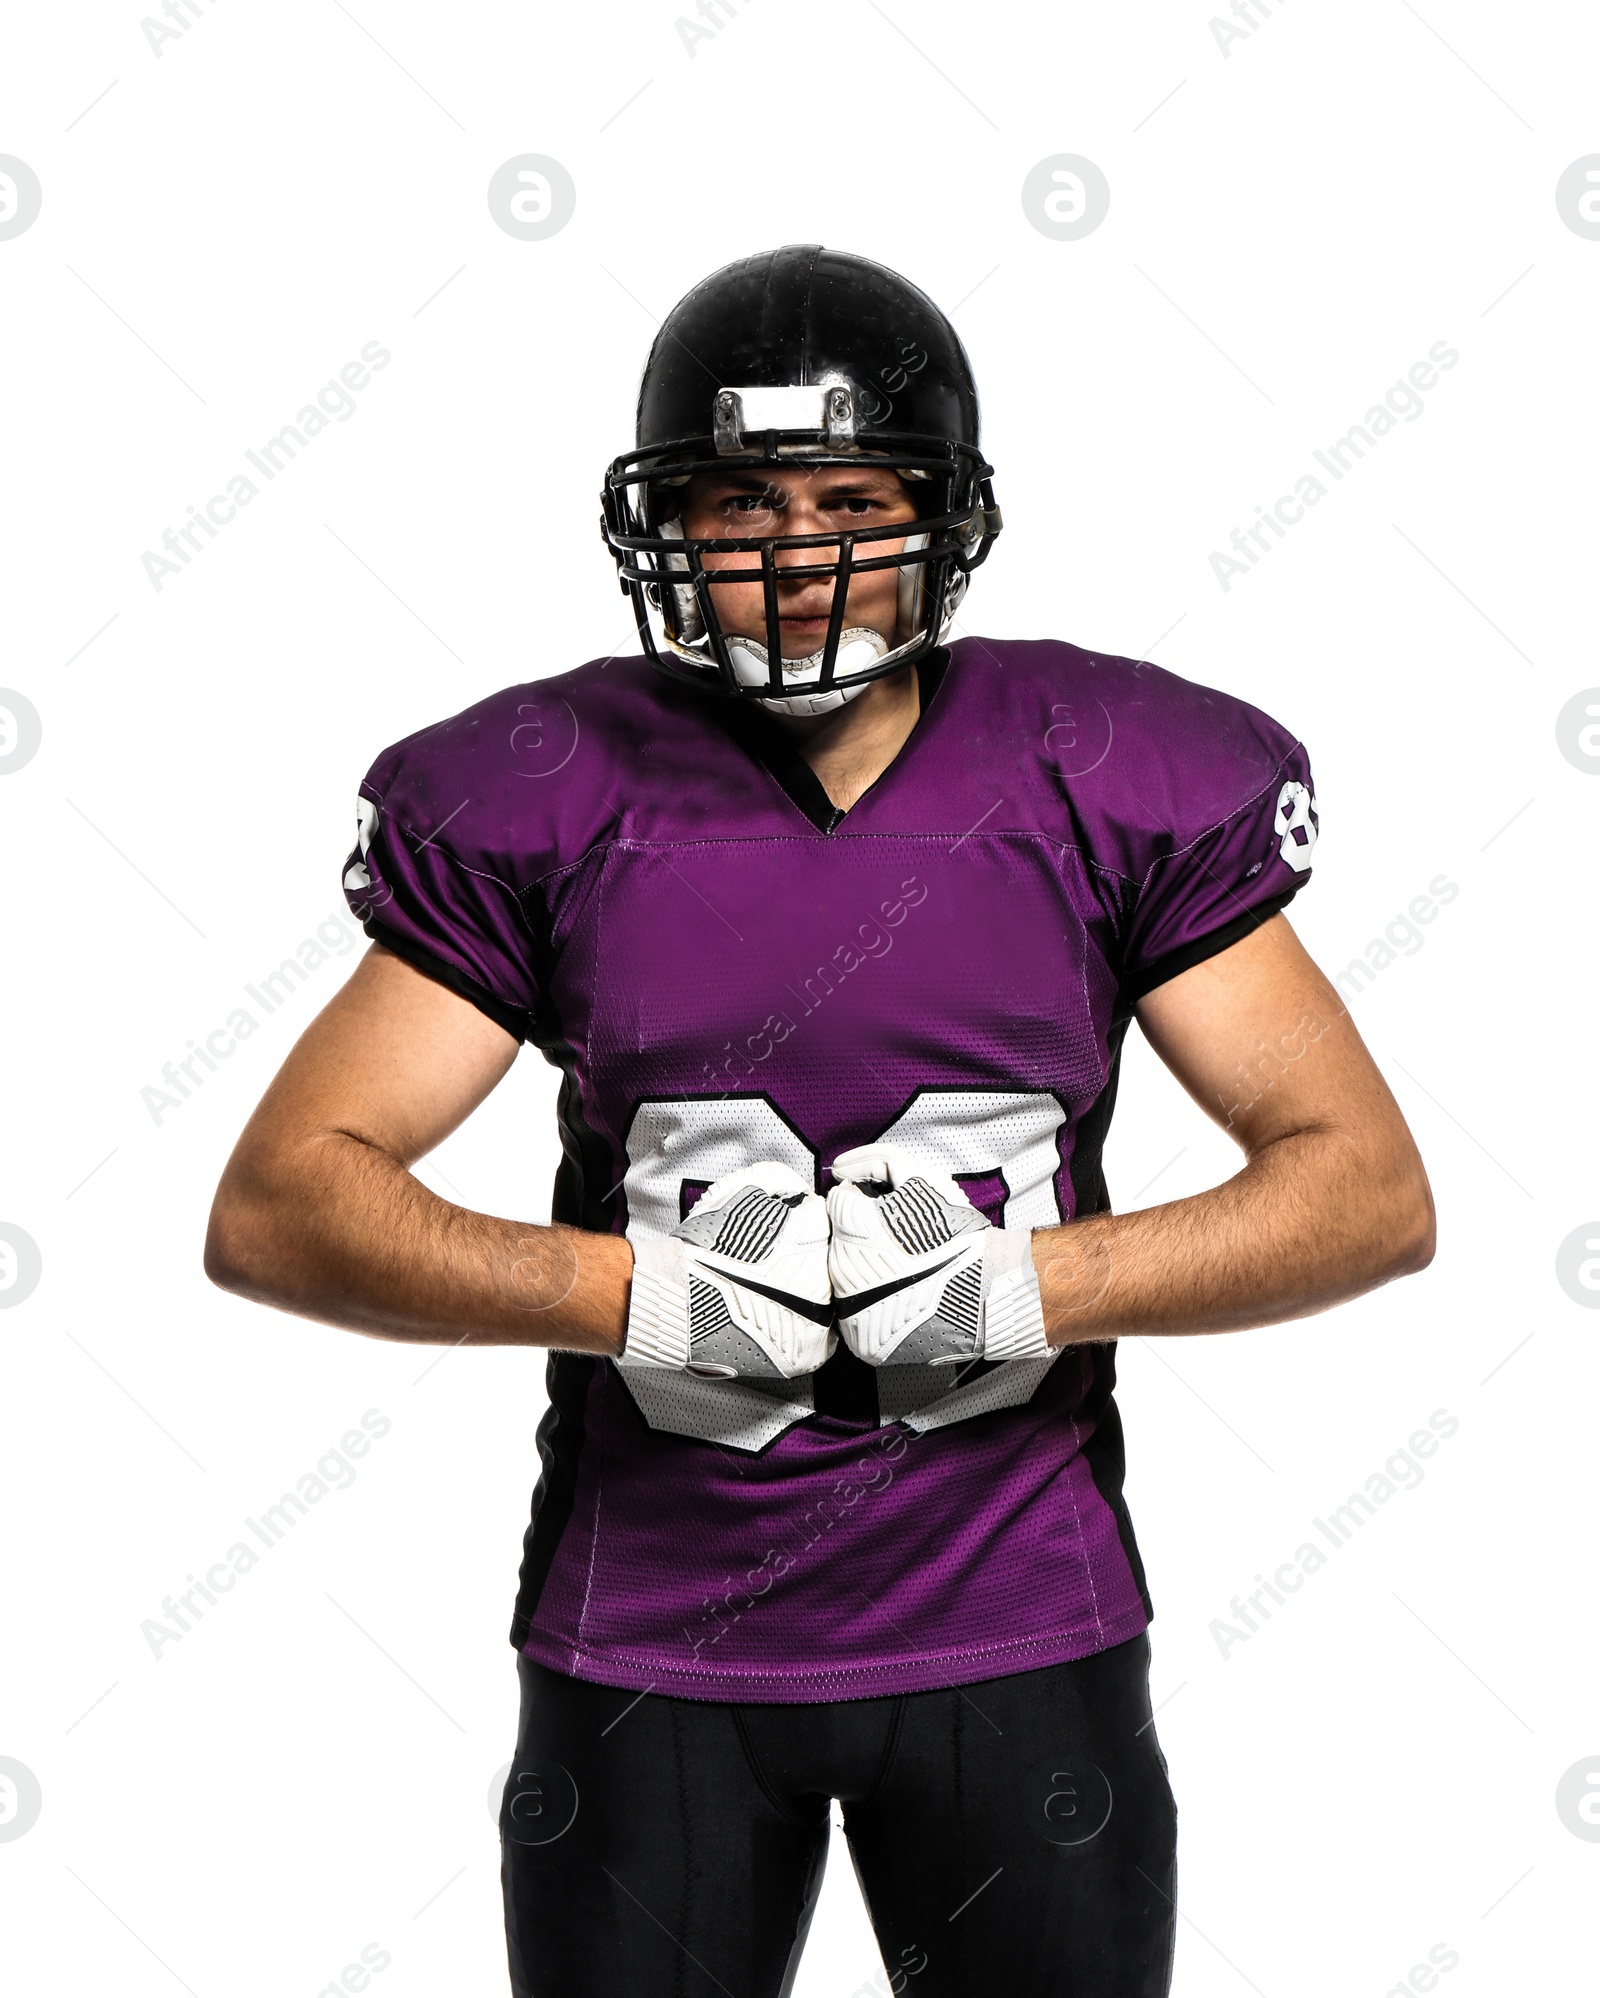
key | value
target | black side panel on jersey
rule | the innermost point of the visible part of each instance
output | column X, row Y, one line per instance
column 1104, row 1452
column 1090, row 1194
column 1108, row 1463
column 560, row 1440
column 580, row 1200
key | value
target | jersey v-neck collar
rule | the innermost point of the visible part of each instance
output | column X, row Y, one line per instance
column 765, row 739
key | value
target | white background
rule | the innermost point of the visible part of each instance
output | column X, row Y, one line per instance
column 1292, row 225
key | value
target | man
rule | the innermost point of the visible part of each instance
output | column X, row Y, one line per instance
column 835, row 932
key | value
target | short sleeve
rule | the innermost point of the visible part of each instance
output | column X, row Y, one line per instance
column 422, row 882
column 1209, row 884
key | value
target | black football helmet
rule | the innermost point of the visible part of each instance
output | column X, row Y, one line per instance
column 800, row 356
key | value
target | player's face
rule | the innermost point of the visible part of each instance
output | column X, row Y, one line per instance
column 826, row 499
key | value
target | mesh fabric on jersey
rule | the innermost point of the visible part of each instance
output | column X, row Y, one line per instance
column 653, row 888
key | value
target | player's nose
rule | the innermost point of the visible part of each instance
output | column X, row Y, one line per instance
column 819, row 588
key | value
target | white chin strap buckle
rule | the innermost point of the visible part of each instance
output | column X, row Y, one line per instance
column 859, row 648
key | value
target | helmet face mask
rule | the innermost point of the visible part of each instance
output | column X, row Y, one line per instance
column 799, row 360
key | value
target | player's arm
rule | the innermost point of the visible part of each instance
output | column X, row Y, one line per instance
column 318, row 1211
column 1332, row 1200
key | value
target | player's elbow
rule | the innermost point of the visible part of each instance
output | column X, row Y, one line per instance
column 1411, row 1227
column 242, row 1252
column 1387, row 1221
column 229, row 1261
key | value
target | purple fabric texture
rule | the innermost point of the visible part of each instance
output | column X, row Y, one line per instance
column 606, row 866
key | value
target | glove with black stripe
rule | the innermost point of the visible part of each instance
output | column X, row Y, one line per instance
column 740, row 1286
column 919, row 1276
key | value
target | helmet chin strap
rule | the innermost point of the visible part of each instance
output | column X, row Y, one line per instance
column 859, row 647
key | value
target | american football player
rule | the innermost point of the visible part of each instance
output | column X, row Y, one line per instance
column 834, row 918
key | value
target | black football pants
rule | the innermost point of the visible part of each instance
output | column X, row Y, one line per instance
column 1013, row 1836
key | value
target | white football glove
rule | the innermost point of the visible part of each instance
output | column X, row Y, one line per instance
column 919, row 1277
column 740, row 1286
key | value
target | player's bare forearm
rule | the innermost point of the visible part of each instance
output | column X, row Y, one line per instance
column 1312, row 1220
column 319, row 1212
column 342, row 1232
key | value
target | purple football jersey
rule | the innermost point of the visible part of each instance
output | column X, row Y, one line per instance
column 654, row 889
